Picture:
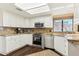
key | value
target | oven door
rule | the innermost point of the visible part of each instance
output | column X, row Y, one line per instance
column 37, row 40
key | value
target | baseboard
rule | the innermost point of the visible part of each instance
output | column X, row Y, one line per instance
column 55, row 51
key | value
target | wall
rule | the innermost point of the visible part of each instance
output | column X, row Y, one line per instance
column 63, row 10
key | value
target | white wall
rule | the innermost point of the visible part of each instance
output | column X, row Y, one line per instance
column 63, row 10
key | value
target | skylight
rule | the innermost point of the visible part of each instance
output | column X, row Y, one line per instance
column 33, row 8
column 38, row 10
column 26, row 6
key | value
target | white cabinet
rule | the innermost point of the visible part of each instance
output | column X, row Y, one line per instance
column 73, row 48
column 61, row 44
column 1, row 18
column 11, row 44
column 17, row 41
column 14, row 20
column 47, row 20
column 26, row 38
column 9, row 19
column 2, row 45
column 49, row 41
column 28, row 23
column 76, row 14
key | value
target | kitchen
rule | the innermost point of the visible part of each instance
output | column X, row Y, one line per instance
column 44, row 30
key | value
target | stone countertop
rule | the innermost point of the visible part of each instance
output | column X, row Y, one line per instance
column 72, row 37
column 15, row 34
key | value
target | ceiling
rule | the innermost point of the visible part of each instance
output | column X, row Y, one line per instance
column 30, row 8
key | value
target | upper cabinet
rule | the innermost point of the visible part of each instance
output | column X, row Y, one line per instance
column 76, row 14
column 46, row 20
column 1, row 18
column 13, row 20
column 9, row 19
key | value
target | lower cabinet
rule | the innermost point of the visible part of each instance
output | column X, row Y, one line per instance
column 49, row 41
column 61, row 44
column 17, row 41
column 73, row 48
column 2, row 45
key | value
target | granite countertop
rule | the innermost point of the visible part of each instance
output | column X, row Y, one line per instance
column 14, row 34
column 72, row 37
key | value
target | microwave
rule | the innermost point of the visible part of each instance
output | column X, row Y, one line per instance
column 39, row 25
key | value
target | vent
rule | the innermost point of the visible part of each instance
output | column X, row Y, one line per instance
column 19, row 9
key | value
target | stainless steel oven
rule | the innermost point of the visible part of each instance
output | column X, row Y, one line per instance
column 38, row 40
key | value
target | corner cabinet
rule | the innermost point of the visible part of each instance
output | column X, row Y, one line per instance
column 61, row 44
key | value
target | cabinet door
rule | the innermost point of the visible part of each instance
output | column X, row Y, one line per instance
column 2, row 45
column 28, row 38
column 48, row 21
column 13, row 20
column 49, row 42
column 60, row 44
column 17, row 41
column 27, row 23
column 25, row 39
column 11, row 44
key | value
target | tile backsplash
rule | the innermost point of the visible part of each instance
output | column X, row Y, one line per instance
column 10, row 31
column 7, row 31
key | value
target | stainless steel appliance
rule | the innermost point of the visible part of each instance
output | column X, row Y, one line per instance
column 38, row 40
column 38, row 25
